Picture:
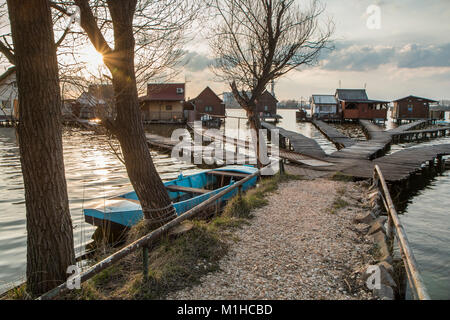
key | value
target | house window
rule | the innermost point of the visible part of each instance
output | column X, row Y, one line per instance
column 208, row 109
column 168, row 108
column 180, row 90
column 266, row 108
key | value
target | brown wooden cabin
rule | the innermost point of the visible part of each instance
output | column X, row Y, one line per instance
column 164, row 103
column 207, row 103
column 354, row 105
column 412, row 108
column 267, row 105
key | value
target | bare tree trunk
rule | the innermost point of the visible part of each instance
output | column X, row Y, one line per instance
column 128, row 125
column 50, row 236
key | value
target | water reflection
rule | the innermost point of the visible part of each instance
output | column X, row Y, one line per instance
column 93, row 172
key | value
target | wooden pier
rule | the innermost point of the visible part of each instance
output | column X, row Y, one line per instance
column 417, row 135
column 409, row 126
column 357, row 160
column 377, row 145
column 340, row 140
column 297, row 142
column 397, row 167
column 291, row 156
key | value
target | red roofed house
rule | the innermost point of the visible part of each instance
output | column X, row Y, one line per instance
column 207, row 103
column 163, row 103
column 354, row 104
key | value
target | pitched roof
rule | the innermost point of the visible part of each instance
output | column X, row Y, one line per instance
column 269, row 95
column 7, row 73
column 355, row 95
column 165, row 92
column 206, row 91
column 352, row 94
column 415, row 97
column 324, row 99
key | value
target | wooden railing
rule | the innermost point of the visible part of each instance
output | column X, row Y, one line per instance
column 144, row 242
column 163, row 115
column 394, row 231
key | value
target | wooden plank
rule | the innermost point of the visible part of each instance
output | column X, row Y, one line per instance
column 175, row 188
column 227, row 174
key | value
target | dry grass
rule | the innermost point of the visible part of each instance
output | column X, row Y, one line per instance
column 178, row 263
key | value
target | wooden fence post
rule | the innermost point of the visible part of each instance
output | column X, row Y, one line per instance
column 145, row 262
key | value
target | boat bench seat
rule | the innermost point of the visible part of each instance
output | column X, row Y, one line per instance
column 228, row 174
column 175, row 188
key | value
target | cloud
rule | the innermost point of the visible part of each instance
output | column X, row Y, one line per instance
column 414, row 56
column 354, row 57
column 195, row 62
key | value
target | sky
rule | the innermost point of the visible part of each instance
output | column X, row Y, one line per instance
column 408, row 54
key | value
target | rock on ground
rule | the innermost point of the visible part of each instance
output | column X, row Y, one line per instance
column 294, row 248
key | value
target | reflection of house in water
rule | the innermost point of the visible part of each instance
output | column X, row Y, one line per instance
column 9, row 108
column 164, row 103
column 98, row 102
column 354, row 105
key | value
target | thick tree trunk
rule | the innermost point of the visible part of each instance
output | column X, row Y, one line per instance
column 50, row 236
column 128, row 125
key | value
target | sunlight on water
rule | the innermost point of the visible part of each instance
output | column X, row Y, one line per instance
column 93, row 173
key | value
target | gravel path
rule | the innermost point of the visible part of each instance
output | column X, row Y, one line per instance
column 294, row 248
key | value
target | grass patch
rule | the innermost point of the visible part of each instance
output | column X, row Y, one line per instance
column 337, row 205
column 176, row 263
column 339, row 176
column 17, row 293
column 241, row 207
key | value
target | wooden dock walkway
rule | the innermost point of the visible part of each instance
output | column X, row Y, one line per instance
column 400, row 165
column 357, row 160
column 339, row 139
column 416, row 135
column 409, row 126
column 292, row 156
column 297, row 142
column 377, row 145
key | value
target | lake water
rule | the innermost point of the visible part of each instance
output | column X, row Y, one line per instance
column 93, row 172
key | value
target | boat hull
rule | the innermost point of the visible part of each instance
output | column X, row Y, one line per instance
column 125, row 210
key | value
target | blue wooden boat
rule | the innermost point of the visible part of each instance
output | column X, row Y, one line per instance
column 124, row 211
